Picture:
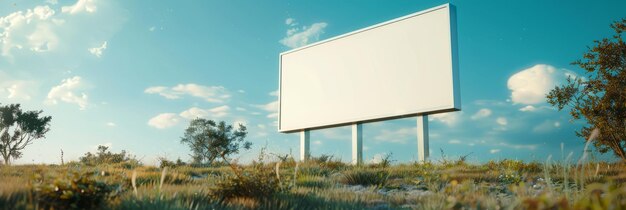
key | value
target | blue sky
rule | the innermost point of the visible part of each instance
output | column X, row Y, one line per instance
column 129, row 74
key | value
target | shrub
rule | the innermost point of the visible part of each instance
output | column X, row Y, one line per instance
column 164, row 162
column 71, row 191
column 256, row 182
column 376, row 178
column 103, row 156
column 328, row 161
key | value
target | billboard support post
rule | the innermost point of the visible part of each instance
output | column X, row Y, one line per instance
column 357, row 144
column 305, row 145
column 422, row 138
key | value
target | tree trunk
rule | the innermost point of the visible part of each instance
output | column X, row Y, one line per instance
column 6, row 160
column 620, row 152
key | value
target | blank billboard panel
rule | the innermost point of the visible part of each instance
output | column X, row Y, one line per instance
column 400, row 68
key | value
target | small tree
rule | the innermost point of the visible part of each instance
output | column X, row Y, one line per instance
column 600, row 98
column 19, row 129
column 209, row 141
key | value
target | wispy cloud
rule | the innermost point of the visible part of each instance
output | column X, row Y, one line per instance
column 167, row 120
column 546, row 126
column 81, row 6
column 164, row 120
column 97, row 51
column 449, row 118
column 195, row 112
column 18, row 89
column 528, row 108
column 213, row 94
column 271, row 107
column 396, row 136
column 482, row 113
column 300, row 36
column 454, row 141
column 502, row 121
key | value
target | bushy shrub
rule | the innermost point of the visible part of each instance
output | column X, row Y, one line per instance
column 164, row 162
column 71, row 191
column 255, row 182
column 103, row 156
column 364, row 177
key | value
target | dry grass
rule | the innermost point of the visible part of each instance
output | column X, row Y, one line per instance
column 323, row 185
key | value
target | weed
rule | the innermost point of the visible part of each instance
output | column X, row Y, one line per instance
column 71, row 191
column 365, row 177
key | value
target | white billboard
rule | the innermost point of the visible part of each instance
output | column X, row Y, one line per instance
column 400, row 68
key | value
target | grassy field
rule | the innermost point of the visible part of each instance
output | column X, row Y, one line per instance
column 318, row 184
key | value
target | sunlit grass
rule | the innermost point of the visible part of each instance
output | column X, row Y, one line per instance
column 333, row 185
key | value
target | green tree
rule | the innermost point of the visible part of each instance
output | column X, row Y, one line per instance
column 600, row 97
column 209, row 140
column 19, row 129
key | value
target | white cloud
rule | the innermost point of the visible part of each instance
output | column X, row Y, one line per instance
column 482, row 113
column 17, row 90
column 111, row 124
column 164, row 120
column 196, row 112
column 52, row 2
column 340, row 133
column 30, row 29
column 528, row 108
column 274, row 93
column 43, row 12
column 88, row 6
column 213, row 94
column 68, row 92
column 290, row 21
column 271, row 107
column 241, row 109
column 546, row 126
column 43, row 30
column 530, row 86
column 297, row 37
column 152, row 28
column 454, row 141
column 494, row 151
column 397, row 136
column 502, row 121
column 97, row 51
column 272, row 115
column 163, row 91
column 519, row 146
column 449, row 118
